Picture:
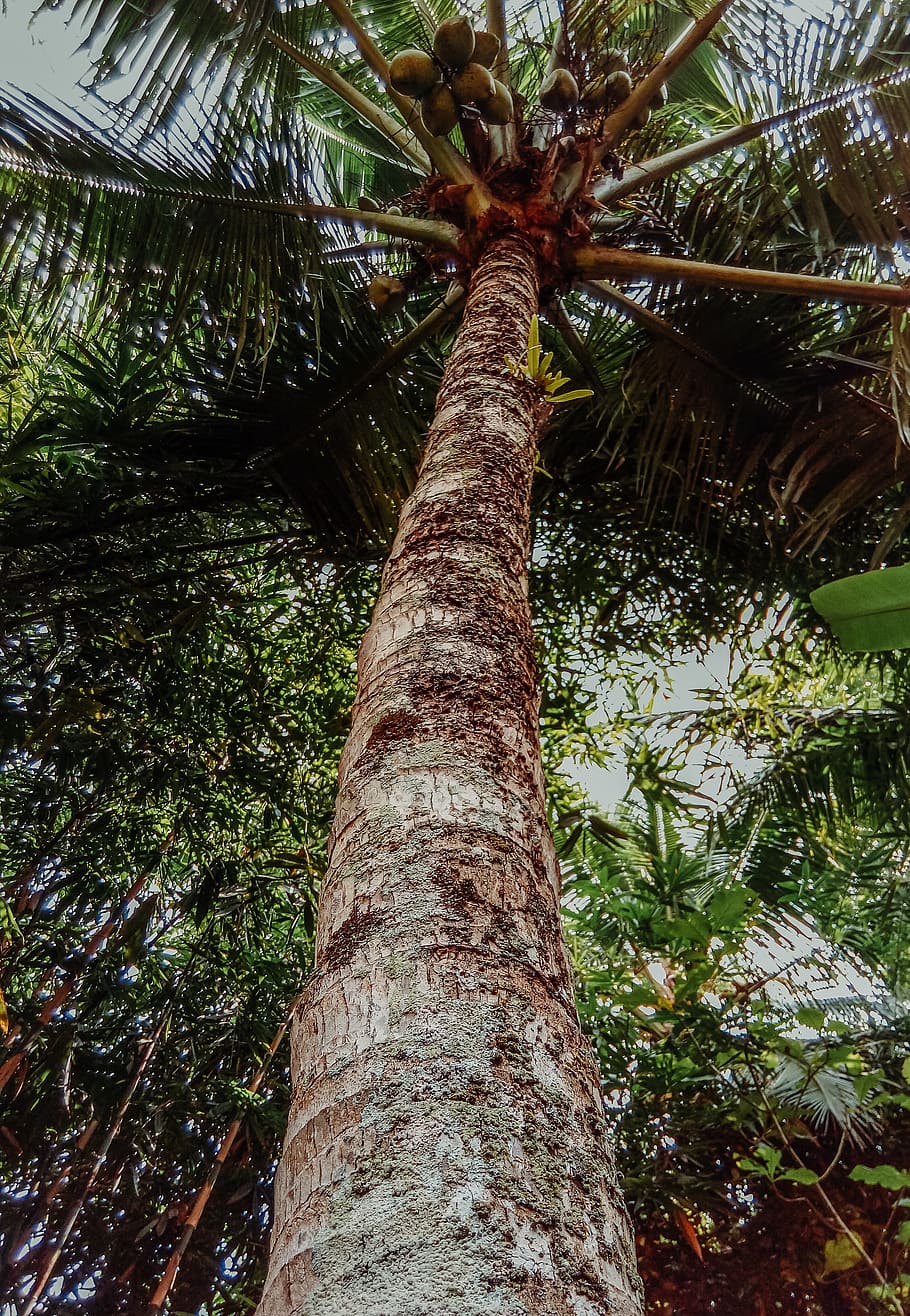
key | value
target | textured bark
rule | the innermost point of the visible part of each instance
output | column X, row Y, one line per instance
column 446, row 1148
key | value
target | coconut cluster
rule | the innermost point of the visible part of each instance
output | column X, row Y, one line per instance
column 609, row 85
column 456, row 75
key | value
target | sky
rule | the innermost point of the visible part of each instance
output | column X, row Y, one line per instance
column 39, row 53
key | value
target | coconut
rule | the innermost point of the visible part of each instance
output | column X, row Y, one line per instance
column 453, row 42
column 614, row 60
column 439, row 110
column 619, row 86
column 594, row 97
column 559, row 91
column 659, row 100
column 642, row 117
column 473, row 84
column 413, row 73
column 486, row 48
column 387, row 294
column 499, row 109
column 367, row 203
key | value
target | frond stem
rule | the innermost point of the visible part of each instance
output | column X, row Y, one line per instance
column 394, row 354
column 645, row 91
column 503, row 140
column 398, row 134
column 592, row 262
column 656, row 324
column 610, row 190
column 430, row 232
column 576, row 344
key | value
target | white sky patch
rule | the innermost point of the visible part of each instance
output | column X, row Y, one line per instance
column 709, row 767
column 40, row 54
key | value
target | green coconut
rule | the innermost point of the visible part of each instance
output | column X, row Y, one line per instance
column 453, row 42
column 499, row 109
column 659, row 100
column 473, row 84
column 486, row 47
column 387, row 294
column 367, row 203
column 559, row 91
column 413, row 73
column 439, row 110
column 619, row 86
column 642, row 117
column 613, row 60
column 594, row 96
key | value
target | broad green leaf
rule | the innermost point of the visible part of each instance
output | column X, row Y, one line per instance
column 870, row 611
column 884, row 1176
column 727, row 908
column 800, row 1175
column 841, row 1254
column 811, row 1017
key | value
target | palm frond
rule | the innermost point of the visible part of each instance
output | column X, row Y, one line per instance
column 823, row 1094
column 83, row 214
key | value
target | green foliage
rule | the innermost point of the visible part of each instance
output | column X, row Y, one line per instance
column 743, row 1063
column 208, row 440
column 177, row 678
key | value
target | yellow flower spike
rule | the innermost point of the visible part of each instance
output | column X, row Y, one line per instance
column 536, row 369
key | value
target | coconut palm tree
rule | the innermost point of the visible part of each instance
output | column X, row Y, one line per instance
column 697, row 214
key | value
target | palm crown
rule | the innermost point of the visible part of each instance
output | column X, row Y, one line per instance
column 264, row 175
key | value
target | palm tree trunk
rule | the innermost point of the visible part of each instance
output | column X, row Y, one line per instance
column 446, row 1147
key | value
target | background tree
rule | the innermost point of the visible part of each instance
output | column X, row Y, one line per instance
column 673, row 422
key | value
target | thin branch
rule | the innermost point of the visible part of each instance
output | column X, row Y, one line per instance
column 759, row 1089
column 50, row 1263
column 159, row 1297
column 610, row 190
column 656, row 324
column 591, row 262
column 398, row 134
column 645, row 91
column 503, row 140
column 48, row 1193
column 449, row 162
column 829, row 1204
column 65, row 988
